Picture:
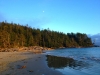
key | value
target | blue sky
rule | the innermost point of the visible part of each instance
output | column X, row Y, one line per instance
column 58, row 15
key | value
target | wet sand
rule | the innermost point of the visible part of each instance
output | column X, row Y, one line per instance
column 24, row 63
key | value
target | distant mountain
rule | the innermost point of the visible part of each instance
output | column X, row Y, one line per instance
column 95, row 39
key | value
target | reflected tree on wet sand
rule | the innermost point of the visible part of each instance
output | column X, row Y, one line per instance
column 62, row 62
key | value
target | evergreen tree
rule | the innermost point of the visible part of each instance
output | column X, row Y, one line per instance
column 16, row 35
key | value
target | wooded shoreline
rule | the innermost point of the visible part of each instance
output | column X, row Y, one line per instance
column 17, row 36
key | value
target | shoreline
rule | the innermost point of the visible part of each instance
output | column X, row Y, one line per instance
column 34, row 49
column 25, row 63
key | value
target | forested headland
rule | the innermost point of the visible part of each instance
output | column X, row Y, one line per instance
column 15, row 35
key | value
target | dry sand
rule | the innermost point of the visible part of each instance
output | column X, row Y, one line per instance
column 24, row 63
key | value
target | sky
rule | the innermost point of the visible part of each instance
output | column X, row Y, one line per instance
column 95, row 38
column 59, row 15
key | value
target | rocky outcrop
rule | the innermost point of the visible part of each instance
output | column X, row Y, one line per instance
column 34, row 49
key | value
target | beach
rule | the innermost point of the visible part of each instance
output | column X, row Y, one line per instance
column 24, row 63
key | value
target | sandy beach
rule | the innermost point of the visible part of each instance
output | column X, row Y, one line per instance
column 24, row 63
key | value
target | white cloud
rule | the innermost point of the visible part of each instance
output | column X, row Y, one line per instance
column 95, row 38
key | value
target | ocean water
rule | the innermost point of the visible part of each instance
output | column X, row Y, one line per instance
column 75, row 61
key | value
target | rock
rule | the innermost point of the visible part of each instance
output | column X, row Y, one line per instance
column 21, row 67
column 30, row 70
